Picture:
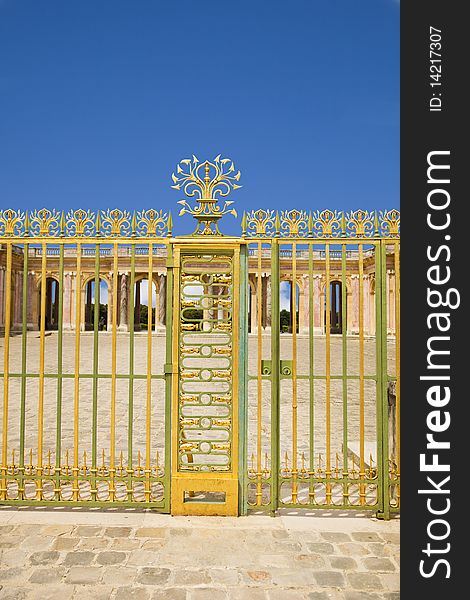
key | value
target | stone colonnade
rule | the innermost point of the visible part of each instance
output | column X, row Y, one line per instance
column 319, row 302
column 159, row 280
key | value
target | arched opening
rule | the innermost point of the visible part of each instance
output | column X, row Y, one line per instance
column 336, row 307
column 52, row 304
column 141, row 304
column 90, row 305
column 287, row 305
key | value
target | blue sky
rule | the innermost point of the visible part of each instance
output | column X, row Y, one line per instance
column 99, row 100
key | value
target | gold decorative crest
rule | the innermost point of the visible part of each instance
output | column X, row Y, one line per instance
column 360, row 223
column 327, row 223
column 294, row 223
column 151, row 222
column 80, row 223
column 45, row 223
column 259, row 222
column 390, row 223
column 12, row 223
column 216, row 181
column 115, row 223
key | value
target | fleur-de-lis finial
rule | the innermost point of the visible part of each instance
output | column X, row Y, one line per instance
column 207, row 190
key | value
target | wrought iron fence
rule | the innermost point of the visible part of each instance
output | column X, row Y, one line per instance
column 89, row 318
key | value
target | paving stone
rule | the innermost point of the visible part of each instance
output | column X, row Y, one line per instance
column 48, row 592
column 119, row 576
column 37, row 542
column 4, row 529
column 353, row 549
column 285, row 594
column 11, row 574
column 291, row 577
column 84, row 575
column 187, row 577
column 381, row 565
column 280, row 534
column 335, row 536
column 14, row 557
column 79, row 558
column 361, row 596
column 364, row 581
column 152, row 543
column 45, row 557
column 132, row 593
column 87, row 531
column 47, row 575
column 56, row 530
column 14, row 593
column 365, row 536
column 278, row 560
column 225, row 576
column 285, row 547
column 344, row 563
column 170, row 594
column 391, row 537
column 93, row 543
column 318, row 596
column 125, row 544
column 329, row 579
column 114, row 532
column 379, row 549
column 93, row 592
column 207, row 594
column 111, row 558
column 257, row 576
column 152, row 532
column 312, row 561
column 390, row 581
column 180, row 531
column 10, row 541
column 247, row 593
column 321, row 548
column 153, row 576
column 141, row 558
column 65, row 543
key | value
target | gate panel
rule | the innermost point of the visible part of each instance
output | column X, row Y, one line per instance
column 318, row 431
column 83, row 383
column 205, row 364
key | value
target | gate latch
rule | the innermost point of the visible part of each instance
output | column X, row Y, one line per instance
column 285, row 368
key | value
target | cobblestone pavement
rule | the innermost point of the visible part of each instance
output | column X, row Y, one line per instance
column 74, row 554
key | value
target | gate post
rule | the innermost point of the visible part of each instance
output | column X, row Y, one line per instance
column 382, row 381
column 243, row 383
column 168, row 373
column 275, row 375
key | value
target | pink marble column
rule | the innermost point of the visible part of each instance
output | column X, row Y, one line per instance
column 354, row 309
column 162, row 301
column 2, row 296
column 268, row 303
column 123, row 303
column 253, row 309
column 318, row 305
column 67, row 303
